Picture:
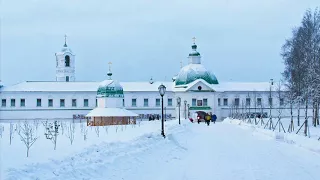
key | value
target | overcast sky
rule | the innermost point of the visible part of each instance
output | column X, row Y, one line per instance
column 238, row 40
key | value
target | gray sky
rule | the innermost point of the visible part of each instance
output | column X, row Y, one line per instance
column 238, row 40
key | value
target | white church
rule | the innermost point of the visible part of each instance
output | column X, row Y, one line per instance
column 198, row 88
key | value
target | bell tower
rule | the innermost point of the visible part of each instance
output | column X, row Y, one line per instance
column 65, row 64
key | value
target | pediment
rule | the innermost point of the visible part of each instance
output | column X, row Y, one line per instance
column 200, row 86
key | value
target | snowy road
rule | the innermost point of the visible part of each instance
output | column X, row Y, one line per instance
column 191, row 151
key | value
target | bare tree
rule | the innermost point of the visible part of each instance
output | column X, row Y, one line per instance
column 97, row 129
column 84, row 131
column 70, row 131
column 1, row 130
column 280, row 104
column 52, row 132
column 106, row 128
column 290, row 99
column 27, row 135
column 301, row 54
column 12, row 130
column 36, row 123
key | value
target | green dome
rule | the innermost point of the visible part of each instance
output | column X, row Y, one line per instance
column 193, row 72
column 110, row 88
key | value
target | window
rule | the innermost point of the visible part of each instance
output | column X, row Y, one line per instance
column 194, row 101
column 96, row 102
column 62, row 103
column 219, row 102
column 67, row 78
column 145, row 102
column 170, row 102
column 281, row 101
column 67, row 61
column 134, row 102
column 270, row 101
column 22, row 102
column 50, row 102
column 38, row 102
column 4, row 103
column 123, row 103
column 86, row 102
column 157, row 102
column 259, row 101
column 13, row 102
column 74, row 103
column 236, row 101
column 199, row 102
column 225, row 101
column 205, row 102
column 248, row 102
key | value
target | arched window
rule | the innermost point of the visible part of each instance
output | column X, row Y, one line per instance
column 67, row 78
column 67, row 60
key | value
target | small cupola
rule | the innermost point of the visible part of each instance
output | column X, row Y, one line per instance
column 151, row 81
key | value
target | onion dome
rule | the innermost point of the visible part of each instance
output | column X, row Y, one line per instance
column 110, row 88
column 194, row 51
column 193, row 72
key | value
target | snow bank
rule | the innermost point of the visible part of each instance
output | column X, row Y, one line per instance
column 290, row 138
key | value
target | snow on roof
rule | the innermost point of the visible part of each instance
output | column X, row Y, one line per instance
column 146, row 86
column 245, row 86
column 111, row 112
column 54, row 86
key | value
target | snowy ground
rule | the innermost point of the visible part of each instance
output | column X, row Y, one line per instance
column 190, row 151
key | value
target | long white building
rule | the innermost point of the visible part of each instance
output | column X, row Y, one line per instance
column 198, row 88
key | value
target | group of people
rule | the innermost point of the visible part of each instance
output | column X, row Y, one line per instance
column 208, row 117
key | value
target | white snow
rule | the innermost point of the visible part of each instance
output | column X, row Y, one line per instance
column 222, row 151
column 53, row 86
column 111, row 112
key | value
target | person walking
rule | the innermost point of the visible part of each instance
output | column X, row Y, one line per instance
column 208, row 118
column 214, row 118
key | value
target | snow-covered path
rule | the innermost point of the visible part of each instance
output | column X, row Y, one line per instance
column 190, row 151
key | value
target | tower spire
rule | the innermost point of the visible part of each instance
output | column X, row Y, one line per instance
column 65, row 40
column 109, row 72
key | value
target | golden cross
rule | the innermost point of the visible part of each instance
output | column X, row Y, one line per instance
column 110, row 66
column 194, row 40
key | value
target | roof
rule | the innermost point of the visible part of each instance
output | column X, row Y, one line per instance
column 245, row 86
column 192, row 72
column 54, row 86
column 110, row 88
column 111, row 112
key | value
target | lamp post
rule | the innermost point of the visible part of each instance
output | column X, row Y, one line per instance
column 185, row 109
column 188, row 105
column 162, row 91
column 179, row 104
column 270, row 103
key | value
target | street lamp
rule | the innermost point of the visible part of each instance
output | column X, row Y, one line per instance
column 162, row 91
column 270, row 103
column 185, row 109
column 188, row 105
column 179, row 104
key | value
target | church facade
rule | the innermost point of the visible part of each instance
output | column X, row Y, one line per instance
column 198, row 88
